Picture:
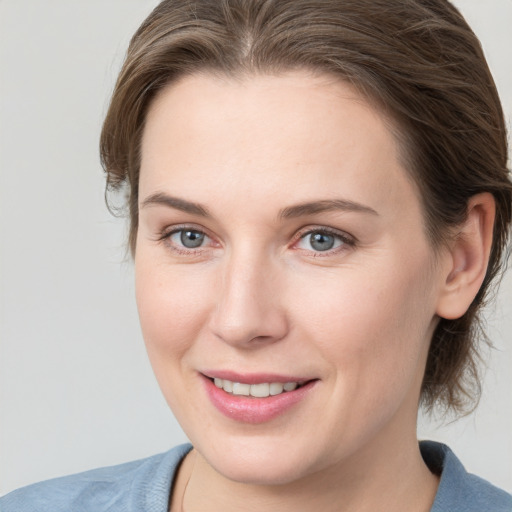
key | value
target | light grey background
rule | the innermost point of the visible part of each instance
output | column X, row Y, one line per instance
column 76, row 390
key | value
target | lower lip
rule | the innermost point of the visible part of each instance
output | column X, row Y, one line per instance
column 254, row 410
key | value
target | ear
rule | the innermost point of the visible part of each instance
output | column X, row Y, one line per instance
column 467, row 258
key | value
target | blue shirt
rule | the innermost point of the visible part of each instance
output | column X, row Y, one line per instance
column 145, row 486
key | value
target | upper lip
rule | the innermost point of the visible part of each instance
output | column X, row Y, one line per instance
column 253, row 378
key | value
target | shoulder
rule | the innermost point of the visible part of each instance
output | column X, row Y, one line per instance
column 460, row 491
column 134, row 486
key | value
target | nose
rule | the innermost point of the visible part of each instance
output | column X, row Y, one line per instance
column 248, row 312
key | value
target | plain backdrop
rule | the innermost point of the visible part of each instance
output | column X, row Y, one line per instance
column 76, row 389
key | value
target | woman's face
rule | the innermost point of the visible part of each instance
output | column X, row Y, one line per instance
column 281, row 241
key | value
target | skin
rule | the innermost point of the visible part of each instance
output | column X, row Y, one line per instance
column 256, row 296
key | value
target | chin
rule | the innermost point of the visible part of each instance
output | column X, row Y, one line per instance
column 271, row 472
column 259, row 462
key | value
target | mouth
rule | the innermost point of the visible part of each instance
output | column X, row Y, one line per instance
column 260, row 390
column 255, row 398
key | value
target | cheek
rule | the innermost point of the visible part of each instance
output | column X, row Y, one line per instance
column 373, row 327
column 172, row 307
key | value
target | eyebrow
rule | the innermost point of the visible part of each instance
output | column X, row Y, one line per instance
column 299, row 210
column 161, row 199
column 324, row 206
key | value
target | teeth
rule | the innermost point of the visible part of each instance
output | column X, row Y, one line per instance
column 290, row 386
column 241, row 389
column 260, row 390
column 256, row 390
column 276, row 388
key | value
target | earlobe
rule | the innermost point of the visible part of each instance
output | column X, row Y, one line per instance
column 467, row 258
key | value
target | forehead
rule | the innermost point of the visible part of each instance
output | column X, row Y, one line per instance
column 311, row 135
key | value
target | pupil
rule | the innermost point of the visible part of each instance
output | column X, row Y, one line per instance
column 191, row 239
column 322, row 242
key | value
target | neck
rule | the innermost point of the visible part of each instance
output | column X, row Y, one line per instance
column 388, row 477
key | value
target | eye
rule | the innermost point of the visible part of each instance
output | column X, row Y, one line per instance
column 187, row 238
column 323, row 240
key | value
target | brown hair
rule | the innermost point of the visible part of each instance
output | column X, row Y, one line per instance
column 417, row 59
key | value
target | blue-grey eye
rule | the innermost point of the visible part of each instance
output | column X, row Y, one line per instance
column 320, row 241
column 188, row 238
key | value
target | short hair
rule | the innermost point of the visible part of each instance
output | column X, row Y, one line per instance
column 418, row 60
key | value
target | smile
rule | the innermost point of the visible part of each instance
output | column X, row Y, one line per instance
column 255, row 398
column 261, row 390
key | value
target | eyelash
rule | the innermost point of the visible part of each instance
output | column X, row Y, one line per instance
column 166, row 235
column 346, row 240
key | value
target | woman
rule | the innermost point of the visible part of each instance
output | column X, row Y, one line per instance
column 319, row 201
